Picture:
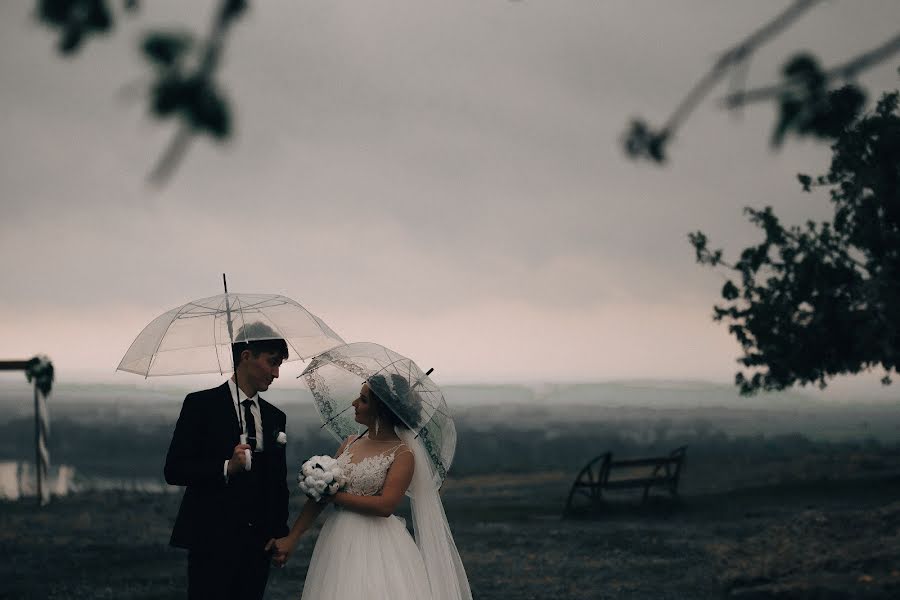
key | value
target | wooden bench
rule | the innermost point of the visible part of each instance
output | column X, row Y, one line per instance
column 604, row 473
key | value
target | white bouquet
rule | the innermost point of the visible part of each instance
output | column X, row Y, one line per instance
column 321, row 476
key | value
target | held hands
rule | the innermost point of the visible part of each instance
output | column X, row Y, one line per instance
column 281, row 549
column 238, row 461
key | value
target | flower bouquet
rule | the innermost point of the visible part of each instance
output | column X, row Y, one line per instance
column 321, row 476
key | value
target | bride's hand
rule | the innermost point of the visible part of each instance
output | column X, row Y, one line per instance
column 281, row 549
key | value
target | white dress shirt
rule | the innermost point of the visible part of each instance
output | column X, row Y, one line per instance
column 239, row 415
column 254, row 410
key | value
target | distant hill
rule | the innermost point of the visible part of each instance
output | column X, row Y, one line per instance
column 150, row 402
column 636, row 393
column 647, row 393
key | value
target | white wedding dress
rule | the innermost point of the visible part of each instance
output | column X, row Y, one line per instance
column 362, row 556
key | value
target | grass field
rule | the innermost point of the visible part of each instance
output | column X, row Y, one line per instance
column 818, row 525
column 777, row 501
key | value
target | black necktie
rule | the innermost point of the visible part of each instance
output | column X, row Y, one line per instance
column 251, row 424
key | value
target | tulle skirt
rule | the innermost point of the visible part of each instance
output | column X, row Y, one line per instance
column 359, row 556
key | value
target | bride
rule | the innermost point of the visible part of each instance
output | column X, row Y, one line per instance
column 364, row 550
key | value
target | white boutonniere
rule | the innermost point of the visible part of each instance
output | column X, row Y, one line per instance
column 281, row 439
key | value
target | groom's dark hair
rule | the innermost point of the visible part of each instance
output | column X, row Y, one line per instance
column 253, row 331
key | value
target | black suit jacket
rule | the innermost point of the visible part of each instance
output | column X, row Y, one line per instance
column 210, row 516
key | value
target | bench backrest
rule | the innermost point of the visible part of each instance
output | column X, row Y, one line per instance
column 671, row 463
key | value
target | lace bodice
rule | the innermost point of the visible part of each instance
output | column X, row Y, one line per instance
column 366, row 478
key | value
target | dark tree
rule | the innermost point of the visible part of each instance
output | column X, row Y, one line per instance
column 809, row 303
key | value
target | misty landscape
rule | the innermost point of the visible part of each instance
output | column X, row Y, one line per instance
column 781, row 495
column 120, row 433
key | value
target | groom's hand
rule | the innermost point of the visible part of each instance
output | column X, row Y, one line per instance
column 272, row 550
column 280, row 550
column 238, row 460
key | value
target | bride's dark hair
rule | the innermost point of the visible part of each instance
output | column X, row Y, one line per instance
column 399, row 411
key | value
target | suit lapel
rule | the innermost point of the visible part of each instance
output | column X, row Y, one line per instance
column 231, row 414
column 267, row 423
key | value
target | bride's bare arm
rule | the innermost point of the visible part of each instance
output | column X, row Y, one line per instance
column 311, row 510
column 285, row 546
column 395, row 484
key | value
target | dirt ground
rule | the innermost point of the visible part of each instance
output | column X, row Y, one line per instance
column 816, row 532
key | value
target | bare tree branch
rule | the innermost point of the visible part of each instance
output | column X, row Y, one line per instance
column 171, row 158
column 735, row 56
column 177, row 148
column 848, row 70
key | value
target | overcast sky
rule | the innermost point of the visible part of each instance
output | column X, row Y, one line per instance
column 444, row 178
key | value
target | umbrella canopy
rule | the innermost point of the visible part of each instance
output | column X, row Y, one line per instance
column 335, row 377
column 196, row 337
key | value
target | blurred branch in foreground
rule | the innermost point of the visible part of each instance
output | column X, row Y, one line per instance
column 184, row 68
column 810, row 103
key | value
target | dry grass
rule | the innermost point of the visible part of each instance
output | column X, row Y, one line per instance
column 795, row 535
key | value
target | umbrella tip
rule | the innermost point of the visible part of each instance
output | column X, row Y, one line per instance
column 225, row 283
column 427, row 373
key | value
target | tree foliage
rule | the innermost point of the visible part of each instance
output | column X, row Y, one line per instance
column 76, row 20
column 811, row 302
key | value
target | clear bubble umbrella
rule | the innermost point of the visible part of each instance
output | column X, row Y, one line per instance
column 335, row 376
column 196, row 337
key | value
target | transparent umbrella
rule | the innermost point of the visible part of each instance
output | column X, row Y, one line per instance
column 196, row 337
column 335, row 376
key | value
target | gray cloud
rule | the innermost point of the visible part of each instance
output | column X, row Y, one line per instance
column 403, row 158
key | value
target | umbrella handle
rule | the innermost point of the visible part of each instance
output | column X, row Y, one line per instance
column 247, row 453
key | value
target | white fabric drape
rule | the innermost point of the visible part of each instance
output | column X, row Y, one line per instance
column 446, row 574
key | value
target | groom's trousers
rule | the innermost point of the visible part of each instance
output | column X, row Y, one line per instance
column 238, row 573
column 239, row 568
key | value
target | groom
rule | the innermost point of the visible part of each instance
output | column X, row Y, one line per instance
column 229, row 514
